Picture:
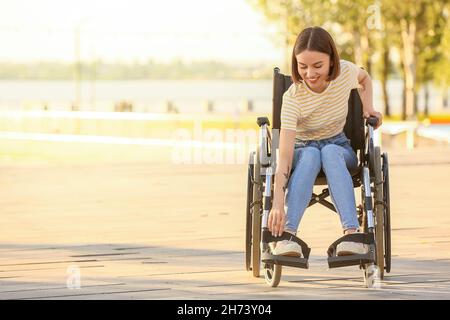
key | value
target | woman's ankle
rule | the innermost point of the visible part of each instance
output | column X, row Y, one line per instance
column 291, row 232
column 350, row 231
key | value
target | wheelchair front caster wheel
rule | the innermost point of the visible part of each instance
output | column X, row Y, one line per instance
column 371, row 276
column 272, row 274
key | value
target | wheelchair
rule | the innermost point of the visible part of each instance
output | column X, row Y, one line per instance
column 372, row 176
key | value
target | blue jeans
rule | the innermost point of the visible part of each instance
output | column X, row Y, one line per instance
column 336, row 157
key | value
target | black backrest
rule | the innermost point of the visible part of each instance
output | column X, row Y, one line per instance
column 354, row 126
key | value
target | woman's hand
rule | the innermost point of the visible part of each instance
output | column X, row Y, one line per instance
column 374, row 113
column 277, row 219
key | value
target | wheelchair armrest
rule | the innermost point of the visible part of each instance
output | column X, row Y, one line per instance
column 265, row 142
column 262, row 121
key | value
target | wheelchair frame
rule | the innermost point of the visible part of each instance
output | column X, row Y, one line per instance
column 373, row 213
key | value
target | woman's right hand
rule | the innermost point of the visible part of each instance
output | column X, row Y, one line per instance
column 277, row 219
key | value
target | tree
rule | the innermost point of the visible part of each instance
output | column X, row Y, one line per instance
column 352, row 32
column 352, row 17
column 419, row 29
column 292, row 16
column 441, row 66
column 430, row 32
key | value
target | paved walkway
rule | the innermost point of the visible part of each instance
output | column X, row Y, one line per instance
column 158, row 231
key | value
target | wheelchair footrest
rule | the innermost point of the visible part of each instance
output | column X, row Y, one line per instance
column 284, row 260
column 335, row 261
column 267, row 238
column 351, row 260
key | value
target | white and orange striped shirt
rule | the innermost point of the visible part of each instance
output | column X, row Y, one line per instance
column 317, row 116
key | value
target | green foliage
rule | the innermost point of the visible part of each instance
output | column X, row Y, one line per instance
column 440, row 68
column 409, row 39
column 347, row 21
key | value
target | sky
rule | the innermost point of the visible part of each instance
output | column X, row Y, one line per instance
column 111, row 30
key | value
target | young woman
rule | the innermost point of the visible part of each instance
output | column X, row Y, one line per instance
column 313, row 117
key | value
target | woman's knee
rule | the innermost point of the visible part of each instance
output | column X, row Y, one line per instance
column 310, row 158
column 332, row 154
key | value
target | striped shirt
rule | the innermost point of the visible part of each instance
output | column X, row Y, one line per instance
column 317, row 116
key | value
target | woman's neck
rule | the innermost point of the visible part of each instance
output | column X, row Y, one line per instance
column 321, row 89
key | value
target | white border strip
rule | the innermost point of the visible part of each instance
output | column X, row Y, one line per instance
column 112, row 115
column 433, row 133
column 117, row 140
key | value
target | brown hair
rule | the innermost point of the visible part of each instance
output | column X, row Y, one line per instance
column 315, row 39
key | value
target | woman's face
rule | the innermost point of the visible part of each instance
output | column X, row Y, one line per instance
column 314, row 67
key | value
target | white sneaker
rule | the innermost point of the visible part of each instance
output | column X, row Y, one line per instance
column 286, row 248
column 347, row 248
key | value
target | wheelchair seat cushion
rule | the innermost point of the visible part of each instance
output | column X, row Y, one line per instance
column 322, row 179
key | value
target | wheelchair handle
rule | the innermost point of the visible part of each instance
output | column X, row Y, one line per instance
column 372, row 121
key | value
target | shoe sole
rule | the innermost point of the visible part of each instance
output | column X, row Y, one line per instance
column 348, row 253
column 290, row 254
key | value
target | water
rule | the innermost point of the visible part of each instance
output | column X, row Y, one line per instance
column 146, row 96
column 436, row 131
column 188, row 96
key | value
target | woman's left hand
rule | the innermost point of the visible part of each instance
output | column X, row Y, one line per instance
column 374, row 113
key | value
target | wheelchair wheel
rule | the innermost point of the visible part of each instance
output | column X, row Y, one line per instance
column 272, row 274
column 248, row 217
column 387, row 214
column 256, row 217
column 379, row 211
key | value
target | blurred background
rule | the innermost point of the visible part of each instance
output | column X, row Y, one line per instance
column 150, row 73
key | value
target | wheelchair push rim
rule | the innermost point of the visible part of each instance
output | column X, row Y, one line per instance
column 256, row 218
column 379, row 211
column 387, row 214
column 248, row 218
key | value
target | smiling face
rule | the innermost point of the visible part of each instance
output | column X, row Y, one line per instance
column 314, row 68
